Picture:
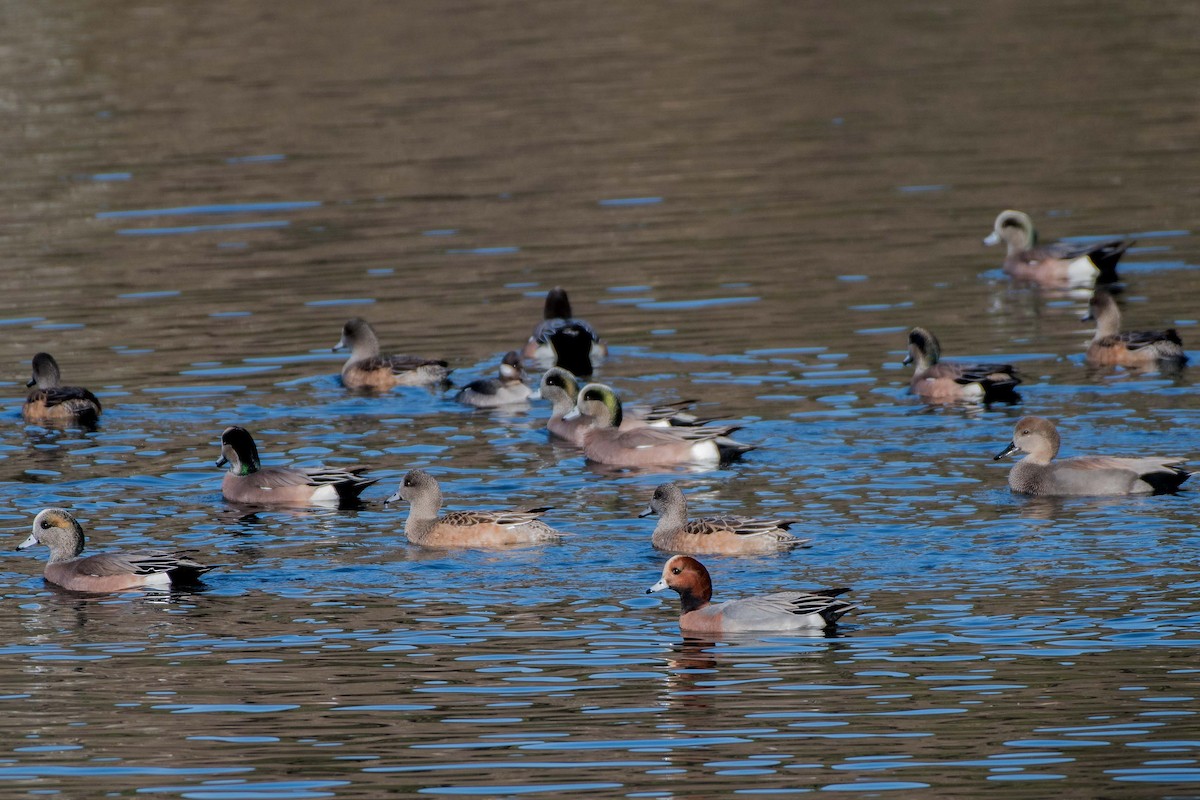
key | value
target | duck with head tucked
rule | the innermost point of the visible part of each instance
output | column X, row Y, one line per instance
column 727, row 535
column 605, row 443
column 482, row 529
column 367, row 368
column 937, row 381
column 1111, row 346
column 248, row 482
column 104, row 572
column 506, row 389
column 781, row 611
column 562, row 340
column 562, row 390
column 53, row 402
column 1040, row 474
column 1057, row 264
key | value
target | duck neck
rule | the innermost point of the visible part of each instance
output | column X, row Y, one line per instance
column 673, row 517
column 1108, row 323
column 366, row 345
column 692, row 600
column 422, row 514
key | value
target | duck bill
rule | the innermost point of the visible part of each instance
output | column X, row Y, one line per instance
column 908, row 359
column 1088, row 317
column 222, row 461
column 1012, row 448
column 649, row 512
column 28, row 543
column 392, row 499
column 341, row 345
column 29, row 384
column 991, row 239
column 658, row 587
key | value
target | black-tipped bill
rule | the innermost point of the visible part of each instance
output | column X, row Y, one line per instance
column 1012, row 447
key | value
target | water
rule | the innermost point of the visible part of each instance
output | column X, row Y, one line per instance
column 753, row 203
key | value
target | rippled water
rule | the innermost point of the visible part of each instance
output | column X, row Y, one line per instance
column 752, row 202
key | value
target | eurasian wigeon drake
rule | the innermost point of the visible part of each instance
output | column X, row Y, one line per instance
column 728, row 535
column 483, row 529
column 562, row 340
column 104, row 572
column 368, row 369
column 247, row 481
column 562, row 390
column 1139, row 349
column 1039, row 473
column 506, row 389
column 605, row 443
column 937, row 381
column 1057, row 264
column 53, row 402
column 781, row 611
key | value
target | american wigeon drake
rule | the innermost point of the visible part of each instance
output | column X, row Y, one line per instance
column 483, row 529
column 562, row 340
column 605, row 443
column 1039, row 473
column 103, row 572
column 1112, row 347
column 728, row 535
column 368, row 369
column 1060, row 263
column 506, row 389
column 247, row 481
column 53, row 402
column 781, row 611
column 562, row 390
column 937, row 381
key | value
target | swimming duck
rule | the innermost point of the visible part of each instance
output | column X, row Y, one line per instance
column 368, row 369
column 504, row 390
column 559, row 338
column 1112, row 347
column 937, row 381
column 53, row 402
column 781, row 611
column 1058, row 263
column 728, row 535
column 248, row 482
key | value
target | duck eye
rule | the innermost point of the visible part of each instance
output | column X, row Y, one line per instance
column 45, row 525
column 676, row 570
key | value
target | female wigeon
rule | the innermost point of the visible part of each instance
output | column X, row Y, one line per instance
column 1060, row 263
column 781, row 611
column 1038, row 473
column 605, row 443
column 368, row 369
column 562, row 340
column 562, row 390
column 507, row 389
column 484, row 529
column 248, row 481
column 937, row 381
column 103, row 572
column 53, row 402
column 1139, row 349
column 729, row 535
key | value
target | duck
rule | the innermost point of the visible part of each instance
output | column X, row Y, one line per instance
column 728, row 535
column 1060, row 263
column 478, row 529
column 104, row 572
column 937, row 381
column 781, row 611
column 53, row 402
column 605, row 443
column 248, row 482
column 368, row 369
column 1138, row 349
column 562, row 390
column 1039, row 474
column 562, row 340
column 507, row 389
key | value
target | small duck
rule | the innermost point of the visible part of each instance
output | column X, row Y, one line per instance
column 781, row 611
column 104, row 572
column 562, row 390
column 482, row 529
column 562, row 340
column 367, row 369
column 937, row 381
column 53, row 402
column 505, row 390
column 605, row 443
column 1057, row 264
column 250, row 483
column 1139, row 349
column 1039, row 474
column 730, row 535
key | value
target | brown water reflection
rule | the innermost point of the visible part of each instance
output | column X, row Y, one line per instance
column 752, row 202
